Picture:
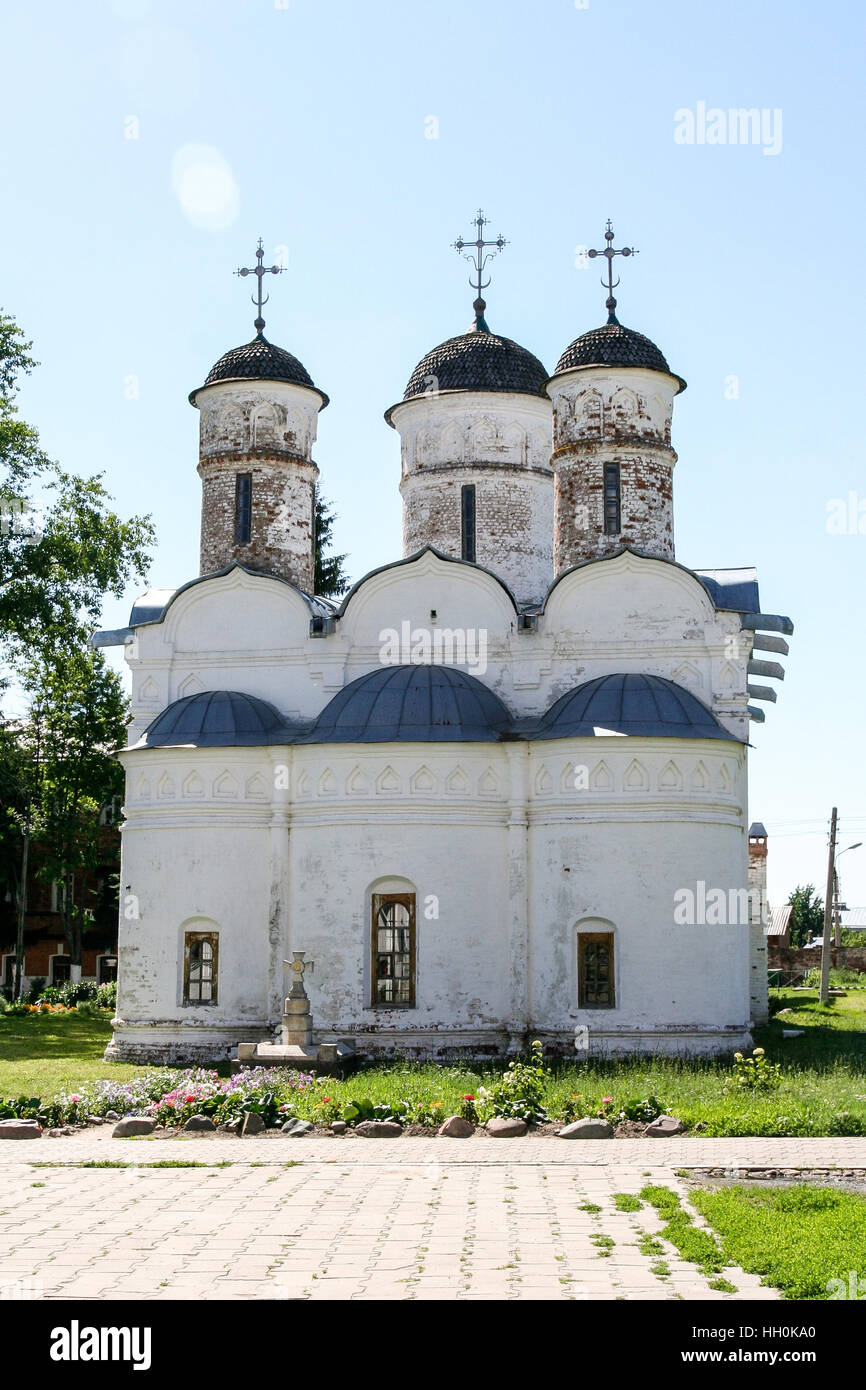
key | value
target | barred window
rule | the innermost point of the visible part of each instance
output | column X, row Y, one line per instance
column 200, row 967
column 393, row 974
column 595, row 970
column 612, row 522
column 243, row 507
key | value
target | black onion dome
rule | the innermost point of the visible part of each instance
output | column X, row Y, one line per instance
column 412, row 704
column 260, row 360
column 642, row 706
column 613, row 346
column 478, row 360
column 216, row 719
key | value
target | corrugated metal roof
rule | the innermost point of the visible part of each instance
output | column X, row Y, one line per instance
column 780, row 918
column 853, row 917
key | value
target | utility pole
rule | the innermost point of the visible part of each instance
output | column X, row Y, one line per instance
column 828, row 914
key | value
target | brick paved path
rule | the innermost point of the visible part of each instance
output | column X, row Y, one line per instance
column 352, row 1218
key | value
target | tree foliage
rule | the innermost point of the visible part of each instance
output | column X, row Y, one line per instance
column 807, row 916
column 58, row 763
column 62, row 547
column 330, row 579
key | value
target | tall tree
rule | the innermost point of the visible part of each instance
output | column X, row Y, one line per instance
column 331, row 579
column 76, row 719
column 62, row 548
column 807, row 916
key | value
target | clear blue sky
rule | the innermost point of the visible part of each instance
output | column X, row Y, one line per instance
column 117, row 258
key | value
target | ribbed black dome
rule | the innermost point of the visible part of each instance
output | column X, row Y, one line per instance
column 643, row 706
column 412, row 704
column 259, row 360
column 218, row 719
column 478, row 361
column 613, row 346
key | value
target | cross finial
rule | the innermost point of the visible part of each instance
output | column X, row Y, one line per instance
column 260, row 271
column 610, row 283
column 478, row 257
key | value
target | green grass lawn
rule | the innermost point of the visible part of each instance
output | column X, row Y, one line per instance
column 43, row 1054
column 798, row 1239
column 822, row 1090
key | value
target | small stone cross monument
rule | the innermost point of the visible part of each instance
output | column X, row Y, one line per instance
column 297, row 1028
column 296, row 1047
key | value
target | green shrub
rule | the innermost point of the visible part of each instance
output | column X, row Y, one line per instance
column 106, row 995
column 753, row 1073
column 519, row 1092
column 70, row 993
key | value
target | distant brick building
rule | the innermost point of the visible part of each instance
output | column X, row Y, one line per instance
column 45, row 951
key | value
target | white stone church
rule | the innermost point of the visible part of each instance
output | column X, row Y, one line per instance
column 498, row 792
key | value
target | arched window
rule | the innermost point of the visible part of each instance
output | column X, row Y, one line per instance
column 393, row 971
column 200, row 967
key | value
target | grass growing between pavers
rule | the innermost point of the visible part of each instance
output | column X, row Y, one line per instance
column 821, row 1090
column 806, row 1241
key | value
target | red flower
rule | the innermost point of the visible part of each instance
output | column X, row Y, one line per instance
column 190, row 1099
column 325, row 1099
column 469, row 1097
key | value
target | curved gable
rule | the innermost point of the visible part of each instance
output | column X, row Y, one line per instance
column 626, row 594
column 237, row 610
column 462, row 595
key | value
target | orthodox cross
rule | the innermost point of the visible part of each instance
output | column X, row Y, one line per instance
column 260, row 271
column 479, row 257
column 297, row 966
column 610, row 283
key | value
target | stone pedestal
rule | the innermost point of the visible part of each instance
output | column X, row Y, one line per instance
column 297, row 1025
column 296, row 1048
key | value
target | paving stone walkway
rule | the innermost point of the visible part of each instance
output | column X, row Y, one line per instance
column 324, row 1218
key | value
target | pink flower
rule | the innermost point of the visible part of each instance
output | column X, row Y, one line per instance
column 74, row 1098
column 607, row 1100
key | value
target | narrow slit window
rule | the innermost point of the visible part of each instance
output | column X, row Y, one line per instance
column 467, row 522
column 200, row 968
column 595, row 970
column 612, row 523
column 393, row 950
column 243, row 507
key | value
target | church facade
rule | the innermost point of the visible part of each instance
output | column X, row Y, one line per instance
column 498, row 792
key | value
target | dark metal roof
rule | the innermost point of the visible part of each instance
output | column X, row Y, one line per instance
column 412, row 704
column 613, row 345
column 478, row 361
column 217, row 719
column 436, row 704
column 638, row 705
column 259, row 360
column 735, row 589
